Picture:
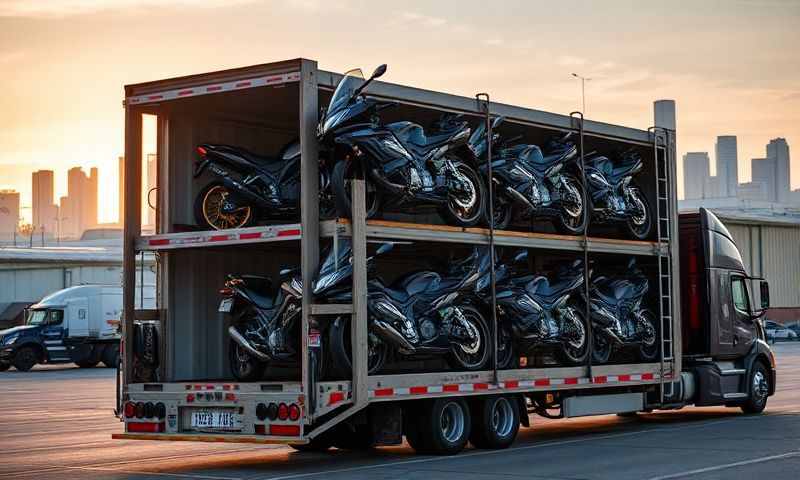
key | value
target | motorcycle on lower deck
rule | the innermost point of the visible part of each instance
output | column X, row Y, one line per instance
column 421, row 315
column 535, row 314
column 402, row 165
column 250, row 187
column 615, row 198
column 265, row 321
column 528, row 183
column 619, row 320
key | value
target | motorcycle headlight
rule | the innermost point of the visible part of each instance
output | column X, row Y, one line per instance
column 10, row 339
column 297, row 285
column 326, row 281
column 330, row 122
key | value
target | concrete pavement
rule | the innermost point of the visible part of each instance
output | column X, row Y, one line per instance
column 56, row 422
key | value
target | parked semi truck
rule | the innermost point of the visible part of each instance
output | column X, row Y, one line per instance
column 710, row 347
column 78, row 324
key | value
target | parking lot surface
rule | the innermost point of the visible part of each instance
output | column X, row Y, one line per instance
column 56, row 422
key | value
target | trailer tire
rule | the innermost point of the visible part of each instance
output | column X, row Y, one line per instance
column 759, row 389
column 26, row 358
column 4, row 366
column 443, row 428
column 88, row 363
column 111, row 356
column 495, row 422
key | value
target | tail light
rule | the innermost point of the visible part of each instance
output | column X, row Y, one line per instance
column 261, row 412
column 227, row 292
column 294, row 412
column 161, row 410
column 139, row 409
column 272, row 411
column 130, row 410
column 202, row 151
column 283, row 411
column 149, row 410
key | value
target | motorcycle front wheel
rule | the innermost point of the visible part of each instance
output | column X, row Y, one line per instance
column 573, row 215
column 503, row 211
column 474, row 356
column 342, row 173
column 208, row 209
column 575, row 351
column 505, row 348
column 467, row 206
column 648, row 351
column 601, row 349
column 341, row 352
column 243, row 367
column 640, row 224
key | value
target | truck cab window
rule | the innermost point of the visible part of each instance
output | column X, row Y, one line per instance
column 55, row 317
column 739, row 294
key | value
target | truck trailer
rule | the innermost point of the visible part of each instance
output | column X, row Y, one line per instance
column 710, row 350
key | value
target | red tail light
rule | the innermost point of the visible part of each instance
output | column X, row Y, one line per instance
column 226, row 291
column 202, row 151
column 283, row 411
column 130, row 409
column 294, row 412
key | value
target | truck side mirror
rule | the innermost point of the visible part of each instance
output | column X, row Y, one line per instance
column 764, row 286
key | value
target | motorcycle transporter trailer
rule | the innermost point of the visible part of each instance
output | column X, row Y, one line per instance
column 714, row 356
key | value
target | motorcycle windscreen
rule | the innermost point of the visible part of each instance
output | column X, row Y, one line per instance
column 350, row 82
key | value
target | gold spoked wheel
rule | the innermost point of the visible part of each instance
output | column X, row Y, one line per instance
column 213, row 202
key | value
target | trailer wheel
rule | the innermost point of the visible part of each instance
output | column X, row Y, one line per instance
column 111, row 356
column 4, row 366
column 443, row 427
column 759, row 390
column 26, row 358
column 90, row 363
column 495, row 422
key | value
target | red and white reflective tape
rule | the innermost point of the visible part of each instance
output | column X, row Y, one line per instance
column 196, row 386
column 509, row 385
column 214, row 88
column 206, row 238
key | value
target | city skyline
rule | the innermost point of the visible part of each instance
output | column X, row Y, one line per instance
column 719, row 84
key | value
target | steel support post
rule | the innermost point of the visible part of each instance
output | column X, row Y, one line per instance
column 358, row 322
column 674, row 245
column 309, row 221
column 132, row 224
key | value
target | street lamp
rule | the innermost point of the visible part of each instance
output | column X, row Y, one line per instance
column 583, row 91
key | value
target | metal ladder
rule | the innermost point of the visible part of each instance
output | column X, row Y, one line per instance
column 664, row 256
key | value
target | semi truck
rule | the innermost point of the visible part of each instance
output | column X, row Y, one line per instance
column 78, row 325
column 711, row 348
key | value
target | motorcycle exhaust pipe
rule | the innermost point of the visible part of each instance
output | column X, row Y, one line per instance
column 520, row 198
column 238, row 188
column 242, row 342
column 613, row 336
column 386, row 184
column 391, row 335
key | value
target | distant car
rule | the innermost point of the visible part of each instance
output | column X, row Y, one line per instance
column 795, row 327
column 776, row 331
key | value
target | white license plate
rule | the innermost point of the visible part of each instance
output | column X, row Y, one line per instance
column 225, row 305
column 222, row 419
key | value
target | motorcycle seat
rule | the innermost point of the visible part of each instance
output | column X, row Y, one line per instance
column 541, row 287
column 613, row 171
column 414, row 137
column 259, row 298
column 534, row 157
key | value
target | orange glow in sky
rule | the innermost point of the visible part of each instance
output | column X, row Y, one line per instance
column 732, row 65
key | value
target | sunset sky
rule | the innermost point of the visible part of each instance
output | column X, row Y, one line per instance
column 732, row 66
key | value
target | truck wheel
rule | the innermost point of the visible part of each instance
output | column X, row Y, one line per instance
column 111, row 356
column 495, row 422
column 444, row 427
column 322, row 443
column 4, row 366
column 90, row 363
column 25, row 359
column 759, row 390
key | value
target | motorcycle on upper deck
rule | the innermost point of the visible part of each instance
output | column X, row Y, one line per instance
column 530, row 183
column 402, row 165
column 615, row 198
column 249, row 187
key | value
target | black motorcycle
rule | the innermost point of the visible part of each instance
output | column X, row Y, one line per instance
column 530, row 184
column 541, row 314
column 252, row 187
column 399, row 161
column 615, row 198
column 422, row 314
column 619, row 320
column 266, row 322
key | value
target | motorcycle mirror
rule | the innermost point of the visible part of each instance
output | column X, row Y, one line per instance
column 384, row 248
column 285, row 271
column 631, row 263
column 497, row 121
column 378, row 71
column 521, row 256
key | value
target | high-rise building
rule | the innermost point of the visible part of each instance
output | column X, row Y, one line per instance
column 764, row 171
column 44, row 209
column 695, row 175
column 150, row 193
column 79, row 211
column 756, row 191
column 9, row 214
column 727, row 165
column 121, row 186
column 778, row 153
